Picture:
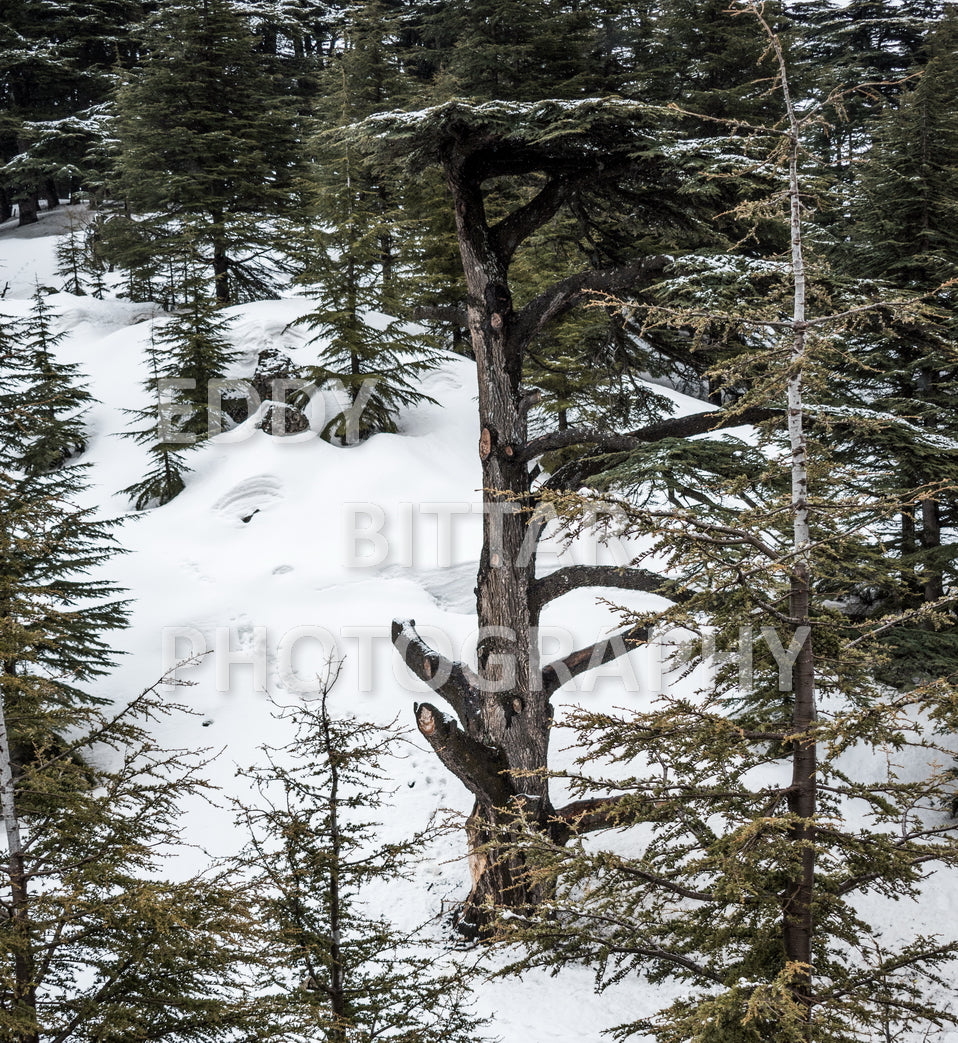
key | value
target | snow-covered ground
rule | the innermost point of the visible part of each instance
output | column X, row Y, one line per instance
column 281, row 551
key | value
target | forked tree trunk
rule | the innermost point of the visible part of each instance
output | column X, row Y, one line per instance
column 512, row 714
column 499, row 746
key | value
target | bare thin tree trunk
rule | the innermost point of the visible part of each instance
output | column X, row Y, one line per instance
column 337, row 988
column 798, row 896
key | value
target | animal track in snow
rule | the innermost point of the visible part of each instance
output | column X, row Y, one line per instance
column 248, row 498
column 194, row 569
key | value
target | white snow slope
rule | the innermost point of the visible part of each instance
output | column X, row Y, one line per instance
column 281, row 551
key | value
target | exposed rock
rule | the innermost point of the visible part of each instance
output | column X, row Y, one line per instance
column 280, row 418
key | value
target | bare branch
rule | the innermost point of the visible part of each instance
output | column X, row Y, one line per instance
column 455, row 682
column 673, row 427
column 575, row 577
column 561, row 671
column 452, row 313
column 480, row 768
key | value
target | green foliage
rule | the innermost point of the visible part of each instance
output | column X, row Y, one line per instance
column 194, row 348
column 900, row 359
column 696, row 893
column 57, row 63
column 51, row 403
column 507, row 50
column 792, row 783
column 205, row 150
column 189, row 358
column 357, row 268
column 79, row 263
column 119, row 949
column 56, row 605
column 165, row 477
column 315, row 848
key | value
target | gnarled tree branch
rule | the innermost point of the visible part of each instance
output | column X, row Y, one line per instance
column 673, row 427
column 513, row 230
column 455, row 682
column 480, row 768
column 452, row 313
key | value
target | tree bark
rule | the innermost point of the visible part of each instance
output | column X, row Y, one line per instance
column 499, row 747
column 930, row 540
column 29, row 210
column 933, row 585
column 514, row 715
column 23, row 1000
column 798, row 896
column 221, row 268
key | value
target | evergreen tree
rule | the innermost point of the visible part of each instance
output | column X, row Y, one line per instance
column 901, row 360
column 79, row 263
column 96, row 942
column 189, row 357
column 759, row 833
column 520, row 174
column 511, row 51
column 205, row 149
column 57, row 64
column 706, row 58
column 70, row 261
column 314, row 850
column 194, row 347
column 862, row 53
column 56, row 609
column 51, row 403
column 367, row 349
column 165, row 476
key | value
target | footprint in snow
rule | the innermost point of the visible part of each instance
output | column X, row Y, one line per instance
column 247, row 499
